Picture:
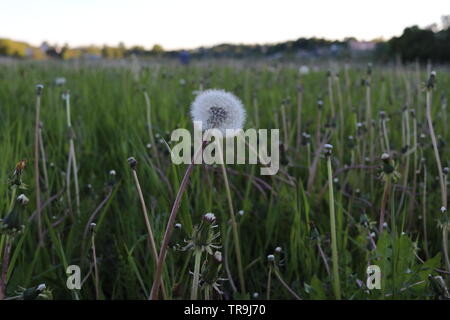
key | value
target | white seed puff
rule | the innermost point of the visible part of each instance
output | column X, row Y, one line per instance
column 218, row 109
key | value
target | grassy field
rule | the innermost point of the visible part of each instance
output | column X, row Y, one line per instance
column 364, row 114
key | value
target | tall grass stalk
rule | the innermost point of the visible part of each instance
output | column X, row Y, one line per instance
column 334, row 250
column 94, row 256
column 36, row 161
column 72, row 162
column 234, row 227
column 133, row 164
column 430, row 87
column 150, row 126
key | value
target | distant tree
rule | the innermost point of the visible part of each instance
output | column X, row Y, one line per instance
column 422, row 44
column 157, row 49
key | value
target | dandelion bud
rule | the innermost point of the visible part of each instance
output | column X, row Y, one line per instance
column 369, row 69
column 22, row 199
column 39, row 89
column 382, row 115
column 218, row 256
column 306, row 138
column 210, row 273
column 65, row 95
column 92, row 226
column 328, row 149
column 320, row 104
column 33, row 293
column 387, row 166
column 132, row 162
column 271, row 258
column 209, row 217
column 431, row 80
column 41, row 287
column 351, row 142
column 445, row 170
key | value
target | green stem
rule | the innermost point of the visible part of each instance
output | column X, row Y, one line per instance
column 233, row 224
column 198, row 257
column 334, row 250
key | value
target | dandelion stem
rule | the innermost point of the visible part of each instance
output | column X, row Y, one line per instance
column 269, row 283
column 441, row 175
column 72, row 163
column 234, row 227
column 5, row 264
column 278, row 275
column 150, row 127
column 151, row 238
column 387, row 187
column 334, row 250
column 44, row 158
column 170, row 224
column 195, row 281
column 95, row 266
column 436, row 150
column 36, row 161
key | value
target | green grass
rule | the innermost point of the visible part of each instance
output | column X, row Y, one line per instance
column 108, row 111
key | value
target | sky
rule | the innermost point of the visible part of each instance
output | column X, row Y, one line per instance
column 188, row 24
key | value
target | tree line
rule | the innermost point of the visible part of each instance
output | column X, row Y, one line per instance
column 427, row 44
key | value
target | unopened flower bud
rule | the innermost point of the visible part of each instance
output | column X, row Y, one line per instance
column 132, row 162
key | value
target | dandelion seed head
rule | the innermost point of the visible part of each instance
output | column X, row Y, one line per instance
column 218, row 109
column 271, row 257
column 112, row 172
column 278, row 250
column 443, row 209
column 255, row 295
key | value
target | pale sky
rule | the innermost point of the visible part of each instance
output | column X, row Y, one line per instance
column 188, row 24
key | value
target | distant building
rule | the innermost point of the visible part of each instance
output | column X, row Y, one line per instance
column 44, row 47
column 361, row 46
